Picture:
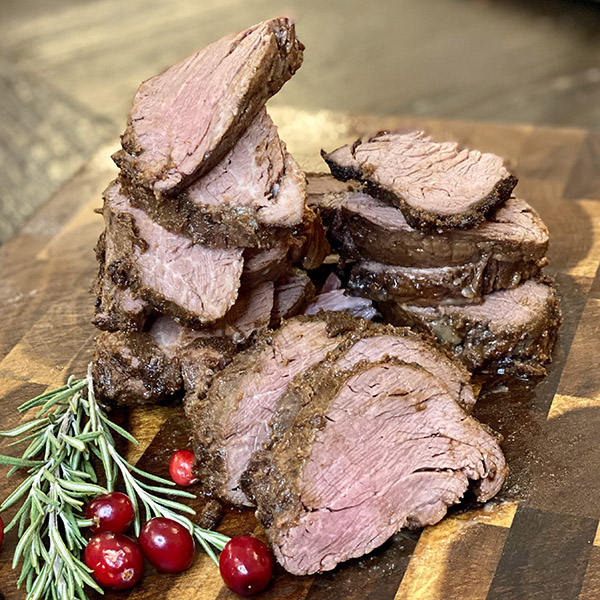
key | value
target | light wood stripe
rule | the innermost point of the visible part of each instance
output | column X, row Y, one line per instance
column 563, row 404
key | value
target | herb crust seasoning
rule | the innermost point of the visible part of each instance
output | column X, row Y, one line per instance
column 68, row 431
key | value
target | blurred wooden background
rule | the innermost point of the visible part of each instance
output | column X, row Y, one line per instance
column 69, row 68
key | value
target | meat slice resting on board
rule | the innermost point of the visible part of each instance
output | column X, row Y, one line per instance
column 232, row 421
column 186, row 119
column 362, row 454
column 435, row 185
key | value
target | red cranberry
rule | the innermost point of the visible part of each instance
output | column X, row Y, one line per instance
column 167, row 544
column 111, row 512
column 1, row 531
column 180, row 467
column 116, row 560
column 246, row 565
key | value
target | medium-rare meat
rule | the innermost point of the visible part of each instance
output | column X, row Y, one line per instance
column 147, row 367
column 252, row 197
column 340, row 301
column 375, row 342
column 435, row 185
column 431, row 286
column 194, row 283
column 359, row 455
column 185, row 120
column 252, row 312
column 265, row 264
column 292, row 293
column 232, row 421
column 513, row 331
column 362, row 227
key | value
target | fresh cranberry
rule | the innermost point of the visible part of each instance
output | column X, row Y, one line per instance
column 111, row 512
column 167, row 544
column 180, row 467
column 1, row 531
column 246, row 565
column 116, row 560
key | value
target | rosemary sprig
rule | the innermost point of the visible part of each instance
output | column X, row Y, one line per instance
column 68, row 430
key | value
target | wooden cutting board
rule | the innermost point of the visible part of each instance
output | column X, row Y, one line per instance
column 539, row 540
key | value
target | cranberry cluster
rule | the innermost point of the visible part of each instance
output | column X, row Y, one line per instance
column 116, row 560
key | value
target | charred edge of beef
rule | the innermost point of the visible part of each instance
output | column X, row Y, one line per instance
column 281, row 58
column 513, row 331
column 364, row 228
column 210, row 415
column 296, row 484
column 465, row 284
column 116, row 309
column 226, row 227
column 138, row 368
column 311, row 247
column 130, row 368
column 427, row 220
column 388, row 163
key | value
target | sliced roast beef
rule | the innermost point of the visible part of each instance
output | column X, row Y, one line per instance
column 435, row 185
column 340, row 301
column 375, row 342
column 363, row 227
column 310, row 247
column 151, row 366
column 252, row 312
column 292, row 293
column 116, row 309
column 232, row 421
column 185, row 120
column 513, row 331
column 367, row 452
column 267, row 264
column 253, row 197
column 119, row 310
column 431, row 286
column 194, row 283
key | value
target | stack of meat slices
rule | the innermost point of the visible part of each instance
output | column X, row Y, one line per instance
column 434, row 235
column 341, row 432
column 207, row 233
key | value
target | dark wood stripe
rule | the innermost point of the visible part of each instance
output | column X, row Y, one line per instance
column 374, row 577
column 545, row 557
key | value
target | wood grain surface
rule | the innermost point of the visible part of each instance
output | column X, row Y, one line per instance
column 540, row 539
